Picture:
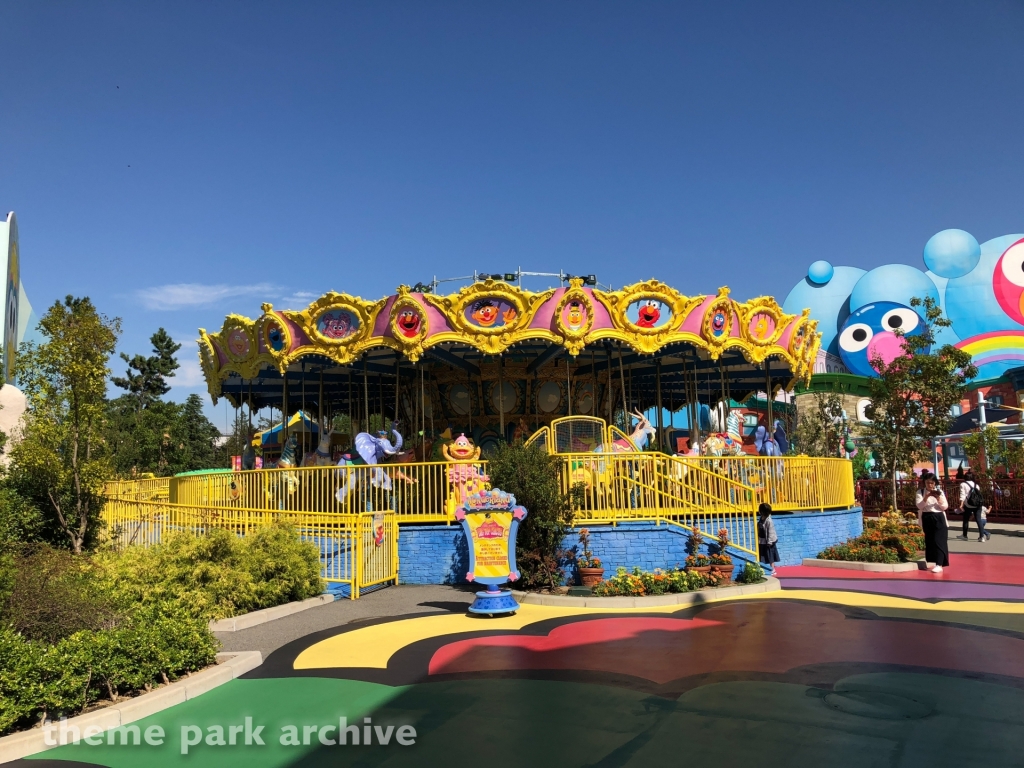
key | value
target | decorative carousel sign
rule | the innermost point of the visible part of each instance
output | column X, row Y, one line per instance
column 491, row 520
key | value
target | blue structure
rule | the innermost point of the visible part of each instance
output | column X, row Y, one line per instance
column 979, row 287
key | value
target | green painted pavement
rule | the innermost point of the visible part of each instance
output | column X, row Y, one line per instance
column 885, row 719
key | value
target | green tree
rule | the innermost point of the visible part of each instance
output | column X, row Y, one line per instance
column 531, row 475
column 146, row 377
column 60, row 464
column 820, row 430
column 193, row 438
column 912, row 396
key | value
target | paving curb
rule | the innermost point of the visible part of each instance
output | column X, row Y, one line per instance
column 771, row 584
column 256, row 618
column 849, row 565
column 229, row 666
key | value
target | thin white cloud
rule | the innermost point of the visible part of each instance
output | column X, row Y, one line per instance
column 186, row 295
column 189, row 374
column 298, row 300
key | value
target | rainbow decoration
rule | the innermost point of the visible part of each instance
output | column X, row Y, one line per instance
column 993, row 348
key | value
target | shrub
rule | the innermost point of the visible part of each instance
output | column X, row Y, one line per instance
column 752, row 573
column 61, row 679
column 218, row 574
column 49, row 594
column 20, row 521
column 891, row 538
column 531, row 475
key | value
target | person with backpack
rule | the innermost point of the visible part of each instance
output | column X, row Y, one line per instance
column 971, row 503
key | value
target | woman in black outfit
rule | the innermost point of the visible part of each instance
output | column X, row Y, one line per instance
column 931, row 514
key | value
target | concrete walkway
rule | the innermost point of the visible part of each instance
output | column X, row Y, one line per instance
column 1007, row 539
column 402, row 600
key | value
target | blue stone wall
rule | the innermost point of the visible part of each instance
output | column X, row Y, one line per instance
column 805, row 534
column 437, row 554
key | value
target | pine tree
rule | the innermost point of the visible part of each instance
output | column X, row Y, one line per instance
column 146, row 377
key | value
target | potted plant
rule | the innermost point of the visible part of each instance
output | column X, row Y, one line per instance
column 589, row 567
column 721, row 563
column 697, row 561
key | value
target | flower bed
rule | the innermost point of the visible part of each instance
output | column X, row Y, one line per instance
column 640, row 583
column 891, row 538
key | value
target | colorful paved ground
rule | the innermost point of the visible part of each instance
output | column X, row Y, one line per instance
column 844, row 668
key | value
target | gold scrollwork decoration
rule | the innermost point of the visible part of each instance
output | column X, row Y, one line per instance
column 574, row 316
column 338, row 319
column 651, row 331
column 409, row 325
column 489, row 315
column 716, row 326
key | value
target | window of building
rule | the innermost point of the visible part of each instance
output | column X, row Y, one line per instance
column 956, row 410
column 749, row 423
column 995, row 399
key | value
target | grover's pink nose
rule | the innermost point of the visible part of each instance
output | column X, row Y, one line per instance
column 886, row 345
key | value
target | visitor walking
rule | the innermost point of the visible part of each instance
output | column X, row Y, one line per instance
column 767, row 538
column 971, row 503
column 931, row 514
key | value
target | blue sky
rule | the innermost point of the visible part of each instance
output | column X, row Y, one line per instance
column 250, row 152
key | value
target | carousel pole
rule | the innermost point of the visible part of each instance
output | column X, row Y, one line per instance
column 304, row 417
column 423, row 416
column 366, row 395
column 622, row 378
column 568, row 385
column 657, row 398
column 320, row 403
column 768, row 395
column 284, row 409
column 501, row 394
column 609, row 385
column 398, row 374
column 469, row 389
column 595, row 404
column 351, row 426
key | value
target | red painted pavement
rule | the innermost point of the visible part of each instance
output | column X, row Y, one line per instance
column 981, row 569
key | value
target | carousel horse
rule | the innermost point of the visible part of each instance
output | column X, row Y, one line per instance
column 287, row 482
column 321, row 457
column 249, row 454
column 370, row 450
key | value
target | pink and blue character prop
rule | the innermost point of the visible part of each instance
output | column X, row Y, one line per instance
column 493, row 601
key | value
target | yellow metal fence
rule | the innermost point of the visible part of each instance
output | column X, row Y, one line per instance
column 360, row 550
column 327, row 503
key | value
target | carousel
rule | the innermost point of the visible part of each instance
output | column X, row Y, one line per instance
column 496, row 362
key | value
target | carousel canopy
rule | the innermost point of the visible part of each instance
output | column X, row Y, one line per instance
column 494, row 349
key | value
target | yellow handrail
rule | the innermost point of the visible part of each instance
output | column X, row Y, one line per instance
column 630, row 485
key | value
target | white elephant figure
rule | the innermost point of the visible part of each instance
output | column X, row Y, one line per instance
column 371, row 450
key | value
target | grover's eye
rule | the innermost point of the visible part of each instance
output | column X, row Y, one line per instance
column 1013, row 264
column 856, row 337
column 904, row 320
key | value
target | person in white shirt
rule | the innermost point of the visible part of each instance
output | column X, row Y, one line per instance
column 977, row 509
column 931, row 514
